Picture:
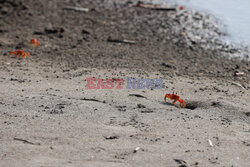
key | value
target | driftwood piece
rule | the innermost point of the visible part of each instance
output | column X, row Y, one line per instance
column 237, row 84
column 76, row 9
column 26, row 141
column 155, row 7
column 122, row 41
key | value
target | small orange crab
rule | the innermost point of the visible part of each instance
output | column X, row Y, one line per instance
column 20, row 53
column 35, row 42
column 175, row 97
column 181, row 8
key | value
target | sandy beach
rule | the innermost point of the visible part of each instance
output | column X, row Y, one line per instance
column 48, row 117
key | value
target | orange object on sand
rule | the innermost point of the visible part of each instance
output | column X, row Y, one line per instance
column 181, row 8
column 175, row 97
column 35, row 42
column 20, row 53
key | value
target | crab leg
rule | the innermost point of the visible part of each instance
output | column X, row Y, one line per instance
column 165, row 98
column 174, row 101
column 182, row 103
column 27, row 54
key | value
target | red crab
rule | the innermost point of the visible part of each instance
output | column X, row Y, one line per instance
column 20, row 53
column 35, row 42
column 181, row 8
column 175, row 97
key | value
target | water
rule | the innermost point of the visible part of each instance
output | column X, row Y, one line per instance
column 235, row 14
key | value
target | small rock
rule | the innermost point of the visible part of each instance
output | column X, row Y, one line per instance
column 111, row 137
column 136, row 149
column 210, row 143
column 141, row 106
column 147, row 111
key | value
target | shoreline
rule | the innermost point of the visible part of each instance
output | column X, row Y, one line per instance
column 233, row 15
column 207, row 30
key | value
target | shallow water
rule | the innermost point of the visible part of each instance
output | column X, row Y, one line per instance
column 235, row 14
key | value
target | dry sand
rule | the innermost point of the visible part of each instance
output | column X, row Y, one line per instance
column 49, row 118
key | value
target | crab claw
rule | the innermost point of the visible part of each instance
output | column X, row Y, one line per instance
column 182, row 103
column 12, row 53
column 167, row 96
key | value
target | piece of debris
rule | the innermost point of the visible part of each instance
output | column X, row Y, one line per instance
column 154, row 7
column 147, row 111
column 213, row 160
column 184, row 34
column 141, row 106
column 246, row 143
column 121, row 108
column 38, row 33
column 136, row 149
column 210, row 143
column 182, row 163
column 137, row 95
column 95, row 100
column 247, row 114
column 85, row 31
column 237, row 84
column 238, row 73
column 54, row 30
column 26, row 141
column 111, row 137
column 3, row 31
column 122, row 41
column 77, row 9
column 168, row 65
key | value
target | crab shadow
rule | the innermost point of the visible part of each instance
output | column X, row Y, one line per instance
column 191, row 105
